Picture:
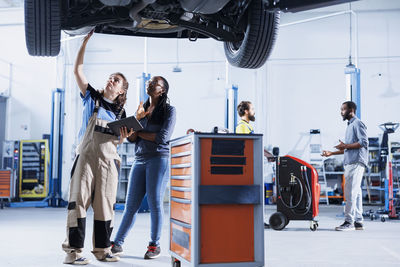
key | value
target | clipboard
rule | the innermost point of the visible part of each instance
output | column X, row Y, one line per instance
column 129, row 122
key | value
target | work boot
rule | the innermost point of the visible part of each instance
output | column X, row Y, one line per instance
column 109, row 258
column 80, row 261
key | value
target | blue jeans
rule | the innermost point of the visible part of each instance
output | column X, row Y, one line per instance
column 146, row 176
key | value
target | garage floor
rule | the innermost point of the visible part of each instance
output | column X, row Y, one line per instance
column 33, row 236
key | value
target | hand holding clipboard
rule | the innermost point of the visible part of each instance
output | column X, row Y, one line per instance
column 130, row 123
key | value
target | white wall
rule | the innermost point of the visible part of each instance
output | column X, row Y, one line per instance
column 306, row 82
column 32, row 81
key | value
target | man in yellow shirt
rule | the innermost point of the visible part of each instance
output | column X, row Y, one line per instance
column 246, row 112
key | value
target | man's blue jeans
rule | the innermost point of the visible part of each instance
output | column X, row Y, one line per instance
column 146, row 176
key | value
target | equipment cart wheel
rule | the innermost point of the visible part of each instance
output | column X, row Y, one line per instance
column 175, row 262
column 313, row 225
column 278, row 221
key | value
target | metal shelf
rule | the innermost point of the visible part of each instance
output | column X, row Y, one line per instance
column 331, row 197
column 372, row 203
column 373, row 156
column 334, row 173
column 374, row 188
column 372, row 174
column 125, row 151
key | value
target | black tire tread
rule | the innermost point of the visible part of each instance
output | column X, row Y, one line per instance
column 42, row 27
column 259, row 39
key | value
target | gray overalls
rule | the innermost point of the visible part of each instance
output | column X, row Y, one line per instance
column 94, row 181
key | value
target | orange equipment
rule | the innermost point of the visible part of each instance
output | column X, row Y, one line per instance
column 216, row 196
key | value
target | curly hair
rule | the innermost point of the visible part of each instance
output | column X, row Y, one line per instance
column 350, row 105
column 163, row 103
column 242, row 107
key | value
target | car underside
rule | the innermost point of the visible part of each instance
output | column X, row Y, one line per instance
column 248, row 28
column 163, row 18
column 222, row 20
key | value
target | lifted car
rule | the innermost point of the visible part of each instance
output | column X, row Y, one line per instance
column 248, row 28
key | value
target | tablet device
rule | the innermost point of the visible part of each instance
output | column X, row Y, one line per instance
column 129, row 122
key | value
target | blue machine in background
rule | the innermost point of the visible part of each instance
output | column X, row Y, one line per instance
column 56, row 148
column 142, row 86
column 231, row 96
column 53, row 198
column 353, row 86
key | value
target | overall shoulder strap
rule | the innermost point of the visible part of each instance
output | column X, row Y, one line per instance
column 120, row 114
column 96, row 108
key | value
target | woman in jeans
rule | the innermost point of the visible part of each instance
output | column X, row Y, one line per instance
column 148, row 173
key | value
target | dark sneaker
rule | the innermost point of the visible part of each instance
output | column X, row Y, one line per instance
column 359, row 226
column 116, row 249
column 110, row 258
column 346, row 226
column 266, row 226
column 152, row 252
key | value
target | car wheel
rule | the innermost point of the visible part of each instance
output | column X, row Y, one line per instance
column 259, row 38
column 42, row 27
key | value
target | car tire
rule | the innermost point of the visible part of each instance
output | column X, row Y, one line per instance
column 259, row 38
column 42, row 27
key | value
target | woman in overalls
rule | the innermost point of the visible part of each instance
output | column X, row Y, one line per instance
column 94, row 175
column 148, row 173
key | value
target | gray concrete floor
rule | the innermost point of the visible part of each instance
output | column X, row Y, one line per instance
column 33, row 236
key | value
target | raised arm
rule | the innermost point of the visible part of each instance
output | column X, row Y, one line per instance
column 78, row 67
